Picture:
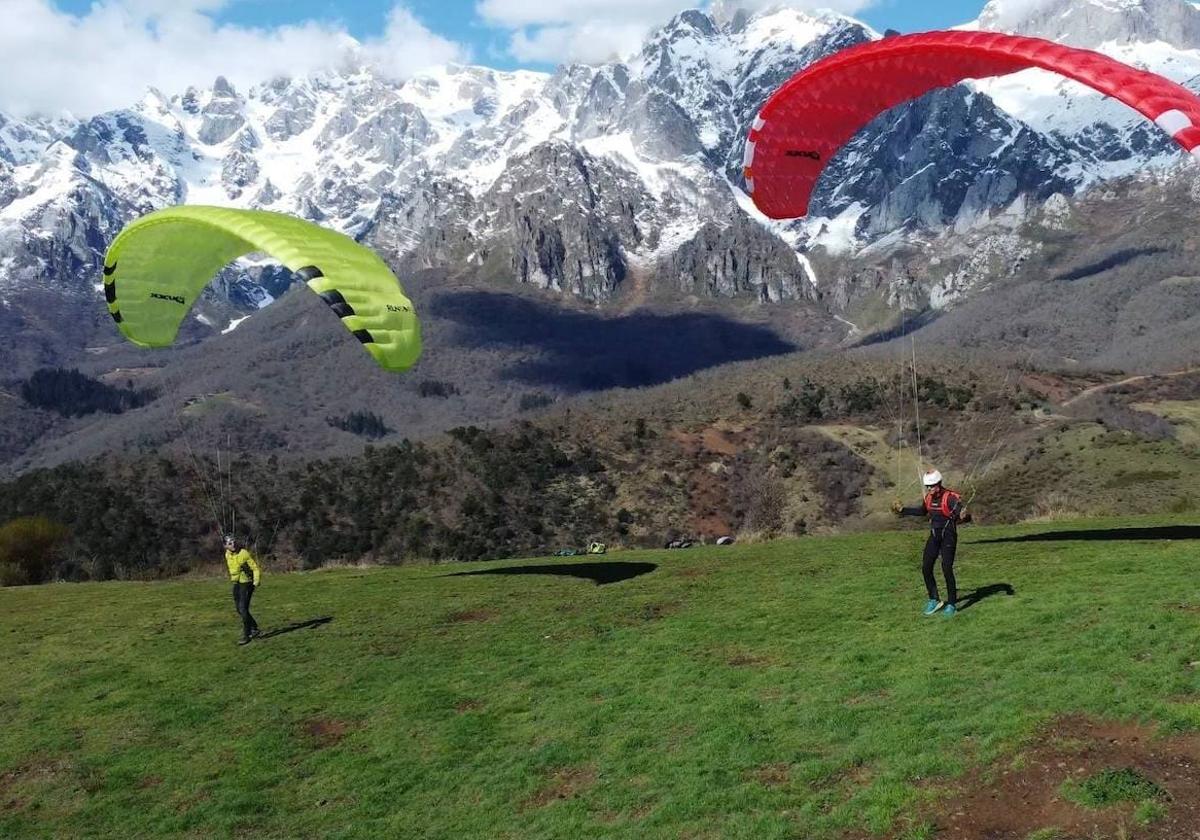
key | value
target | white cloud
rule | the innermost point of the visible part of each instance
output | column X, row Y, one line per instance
column 107, row 57
column 593, row 31
column 592, row 42
column 407, row 46
column 514, row 13
column 845, row 7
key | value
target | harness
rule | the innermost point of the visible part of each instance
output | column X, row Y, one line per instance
column 943, row 505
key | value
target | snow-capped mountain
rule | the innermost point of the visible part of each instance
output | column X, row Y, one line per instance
column 1158, row 35
column 580, row 180
column 1093, row 22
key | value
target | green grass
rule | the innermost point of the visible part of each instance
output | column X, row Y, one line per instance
column 1110, row 787
column 785, row 690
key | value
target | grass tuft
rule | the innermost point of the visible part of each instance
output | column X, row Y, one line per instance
column 1110, row 787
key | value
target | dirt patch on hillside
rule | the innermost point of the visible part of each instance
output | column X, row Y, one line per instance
column 711, row 450
column 722, row 442
column 565, row 783
column 741, row 658
column 1057, row 389
column 325, row 732
column 1026, row 795
column 713, row 440
column 772, row 775
column 708, row 503
column 35, row 771
column 656, row 612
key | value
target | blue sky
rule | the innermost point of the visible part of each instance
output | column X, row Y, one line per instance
column 919, row 15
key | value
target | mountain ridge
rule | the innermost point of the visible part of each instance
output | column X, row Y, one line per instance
column 433, row 167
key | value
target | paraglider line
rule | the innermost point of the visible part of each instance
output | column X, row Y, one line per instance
column 917, row 408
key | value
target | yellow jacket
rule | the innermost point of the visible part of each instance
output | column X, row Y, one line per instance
column 241, row 564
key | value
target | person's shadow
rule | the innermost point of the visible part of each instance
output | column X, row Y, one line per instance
column 291, row 628
column 972, row 598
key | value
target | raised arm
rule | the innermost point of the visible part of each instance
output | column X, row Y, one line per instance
column 899, row 509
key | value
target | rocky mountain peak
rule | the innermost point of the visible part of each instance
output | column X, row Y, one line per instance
column 222, row 116
column 222, row 89
column 1092, row 23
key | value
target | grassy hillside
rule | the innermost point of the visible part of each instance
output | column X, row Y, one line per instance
column 788, row 689
column 797, row 446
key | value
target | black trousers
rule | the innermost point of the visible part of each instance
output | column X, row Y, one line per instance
column 942, row 542
column 242, row 592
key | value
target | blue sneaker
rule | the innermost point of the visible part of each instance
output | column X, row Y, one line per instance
column 949, row 611
column 933, row 606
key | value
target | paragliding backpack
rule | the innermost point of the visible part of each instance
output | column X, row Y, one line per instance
column 943, row 506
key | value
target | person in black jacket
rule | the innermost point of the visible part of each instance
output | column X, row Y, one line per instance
column 945, row 510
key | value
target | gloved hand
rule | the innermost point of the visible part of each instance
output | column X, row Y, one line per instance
column 897, row 506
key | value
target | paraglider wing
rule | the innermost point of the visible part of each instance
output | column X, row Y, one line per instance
column 817, row 111
column 158, row 265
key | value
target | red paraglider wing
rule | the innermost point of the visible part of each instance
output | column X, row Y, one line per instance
column 819, row 109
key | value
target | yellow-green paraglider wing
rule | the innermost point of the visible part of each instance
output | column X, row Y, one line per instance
column 158, row 265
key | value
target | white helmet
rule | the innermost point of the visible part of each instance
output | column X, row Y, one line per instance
column 932, row 478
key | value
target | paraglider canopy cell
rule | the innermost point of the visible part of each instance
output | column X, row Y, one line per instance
column 159, row 264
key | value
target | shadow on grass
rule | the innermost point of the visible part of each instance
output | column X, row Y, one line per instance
column 965, row 602
column 299, row 625
column 599, row 573
column 1165, row 532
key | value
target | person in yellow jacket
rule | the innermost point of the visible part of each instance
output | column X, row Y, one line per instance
column 245, row 574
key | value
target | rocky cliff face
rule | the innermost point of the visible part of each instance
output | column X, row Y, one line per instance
column 742, row 259
column 948, row 159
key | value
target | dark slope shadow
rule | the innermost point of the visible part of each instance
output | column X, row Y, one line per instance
column 1113, row 260
column 598, row 573
column 590, row 352
column 909, row 325
column 299, row 625
column 965, row 602
column 1165, row 532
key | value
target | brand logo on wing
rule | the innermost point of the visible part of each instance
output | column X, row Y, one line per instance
column 173, row 298
column 804, row 153
column 393, row 308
